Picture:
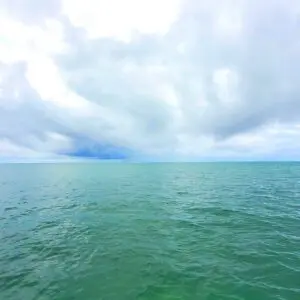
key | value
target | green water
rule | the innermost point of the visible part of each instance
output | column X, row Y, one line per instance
column 150, row 231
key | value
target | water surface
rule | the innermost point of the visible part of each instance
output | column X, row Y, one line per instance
column 150, row 231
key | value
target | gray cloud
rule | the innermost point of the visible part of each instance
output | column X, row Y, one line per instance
column 221, row 72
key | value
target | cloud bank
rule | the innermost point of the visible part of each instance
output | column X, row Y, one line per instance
column 149, row 79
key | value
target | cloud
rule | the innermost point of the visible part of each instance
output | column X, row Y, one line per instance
column 158, row 79
column 31, row 11
column 121, row 19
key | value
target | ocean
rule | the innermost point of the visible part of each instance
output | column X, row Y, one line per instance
column 160, row 231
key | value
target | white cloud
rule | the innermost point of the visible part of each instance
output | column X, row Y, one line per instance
column 122, row 19
column 174, row 79
column 19, row 42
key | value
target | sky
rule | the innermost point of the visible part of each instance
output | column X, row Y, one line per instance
column 150, row 79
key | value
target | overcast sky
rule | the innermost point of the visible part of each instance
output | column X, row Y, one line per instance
column 150, row 79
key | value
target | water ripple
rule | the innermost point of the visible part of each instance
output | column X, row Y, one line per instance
column 163, row 232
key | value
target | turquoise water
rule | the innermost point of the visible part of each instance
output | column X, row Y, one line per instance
column 150, row 231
